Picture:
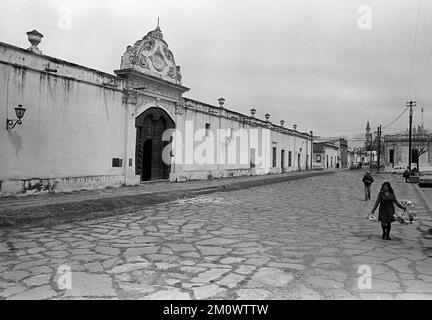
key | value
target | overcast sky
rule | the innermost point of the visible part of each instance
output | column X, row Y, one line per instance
column 320, row 64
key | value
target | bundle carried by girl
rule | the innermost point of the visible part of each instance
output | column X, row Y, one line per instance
column 408, row 216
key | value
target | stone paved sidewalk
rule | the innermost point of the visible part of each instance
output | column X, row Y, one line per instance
column 53, row 208
column 301, row 239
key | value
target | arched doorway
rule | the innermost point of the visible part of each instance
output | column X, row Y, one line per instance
column 150, row 125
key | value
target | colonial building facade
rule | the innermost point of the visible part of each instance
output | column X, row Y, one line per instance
column 397, row 148
column 85, row 129
column 325, row 155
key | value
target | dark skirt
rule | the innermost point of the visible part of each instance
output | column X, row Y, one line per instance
column 386, row 211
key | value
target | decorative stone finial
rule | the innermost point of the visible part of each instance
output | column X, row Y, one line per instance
column 156, row 33
column 282, row 122
column 295, row 127
column 267, row 116
column 179, row 76
column 253, row 111
column 221, row 102
column 34, row 37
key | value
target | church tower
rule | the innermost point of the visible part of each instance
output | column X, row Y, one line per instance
column 368, row 136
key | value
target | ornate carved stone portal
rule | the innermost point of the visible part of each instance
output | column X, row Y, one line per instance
column 152, row 56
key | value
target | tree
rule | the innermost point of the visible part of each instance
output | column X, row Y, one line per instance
column 421, row 144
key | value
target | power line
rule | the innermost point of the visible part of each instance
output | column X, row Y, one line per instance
column 396, row 118
column 414, row 49
column 427, row 44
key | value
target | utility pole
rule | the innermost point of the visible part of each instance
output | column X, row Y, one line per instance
column 410, row 104
column 379, row 149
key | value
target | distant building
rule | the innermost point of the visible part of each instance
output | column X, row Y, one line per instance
column 342, row 144
column 397, row 148
column 325, row 155
column 350, row 157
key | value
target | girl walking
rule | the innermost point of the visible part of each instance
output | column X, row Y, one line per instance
column 386, row 200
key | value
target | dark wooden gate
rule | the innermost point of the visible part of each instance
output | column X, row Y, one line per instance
column 150, row 125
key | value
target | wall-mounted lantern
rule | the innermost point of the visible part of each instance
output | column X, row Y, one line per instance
column 221, row 102
column 19, row 111
column 253, row 111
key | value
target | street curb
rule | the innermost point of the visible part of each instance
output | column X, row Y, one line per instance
column 122, row 204
column 428, row 204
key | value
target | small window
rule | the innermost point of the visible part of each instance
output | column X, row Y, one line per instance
column 318, row 158
column 207, row 129
column 117, row 163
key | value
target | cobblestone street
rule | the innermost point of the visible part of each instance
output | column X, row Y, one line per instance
column 302, row 239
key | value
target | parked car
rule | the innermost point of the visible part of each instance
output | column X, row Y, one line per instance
column 425, row 180
column 355, row 165
column 398, row 170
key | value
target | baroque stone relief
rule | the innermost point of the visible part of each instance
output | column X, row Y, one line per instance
column 152, row 56
column 143, row 100
column 179, row 108
column 147, row 102
column 169, row 107
column 154, row 88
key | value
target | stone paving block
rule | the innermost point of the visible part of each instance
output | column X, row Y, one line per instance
column 110, row 262
column 257, row 261
column 41, row 270
column 376, row 296
column 182, row 247
column 216, row 242
column 12, row 290
column 231, row 260
column 172, row 294
column 108, row 251
column 413, row 296
column 141, row 250
column 39, row 293
column 4, row 248
column 294, row 266
column 231, row 280
column 162, row 257
column 14, row 275
column 192, row 269
column 129, row 267
column 210, row 251
column 417, row 286
column 305, row 293
column 424, row 269
column 94, row 267
column 323, row 282
column 210, row 275
column 165, row 266
column 270, row 277
column 38, row 280
column 208, row 291
column 253, row 294
column 90, row 285
column 400, row 264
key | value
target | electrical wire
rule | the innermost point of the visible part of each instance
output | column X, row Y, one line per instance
column 414, row 49
column 397, row 118
column 427, row 45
